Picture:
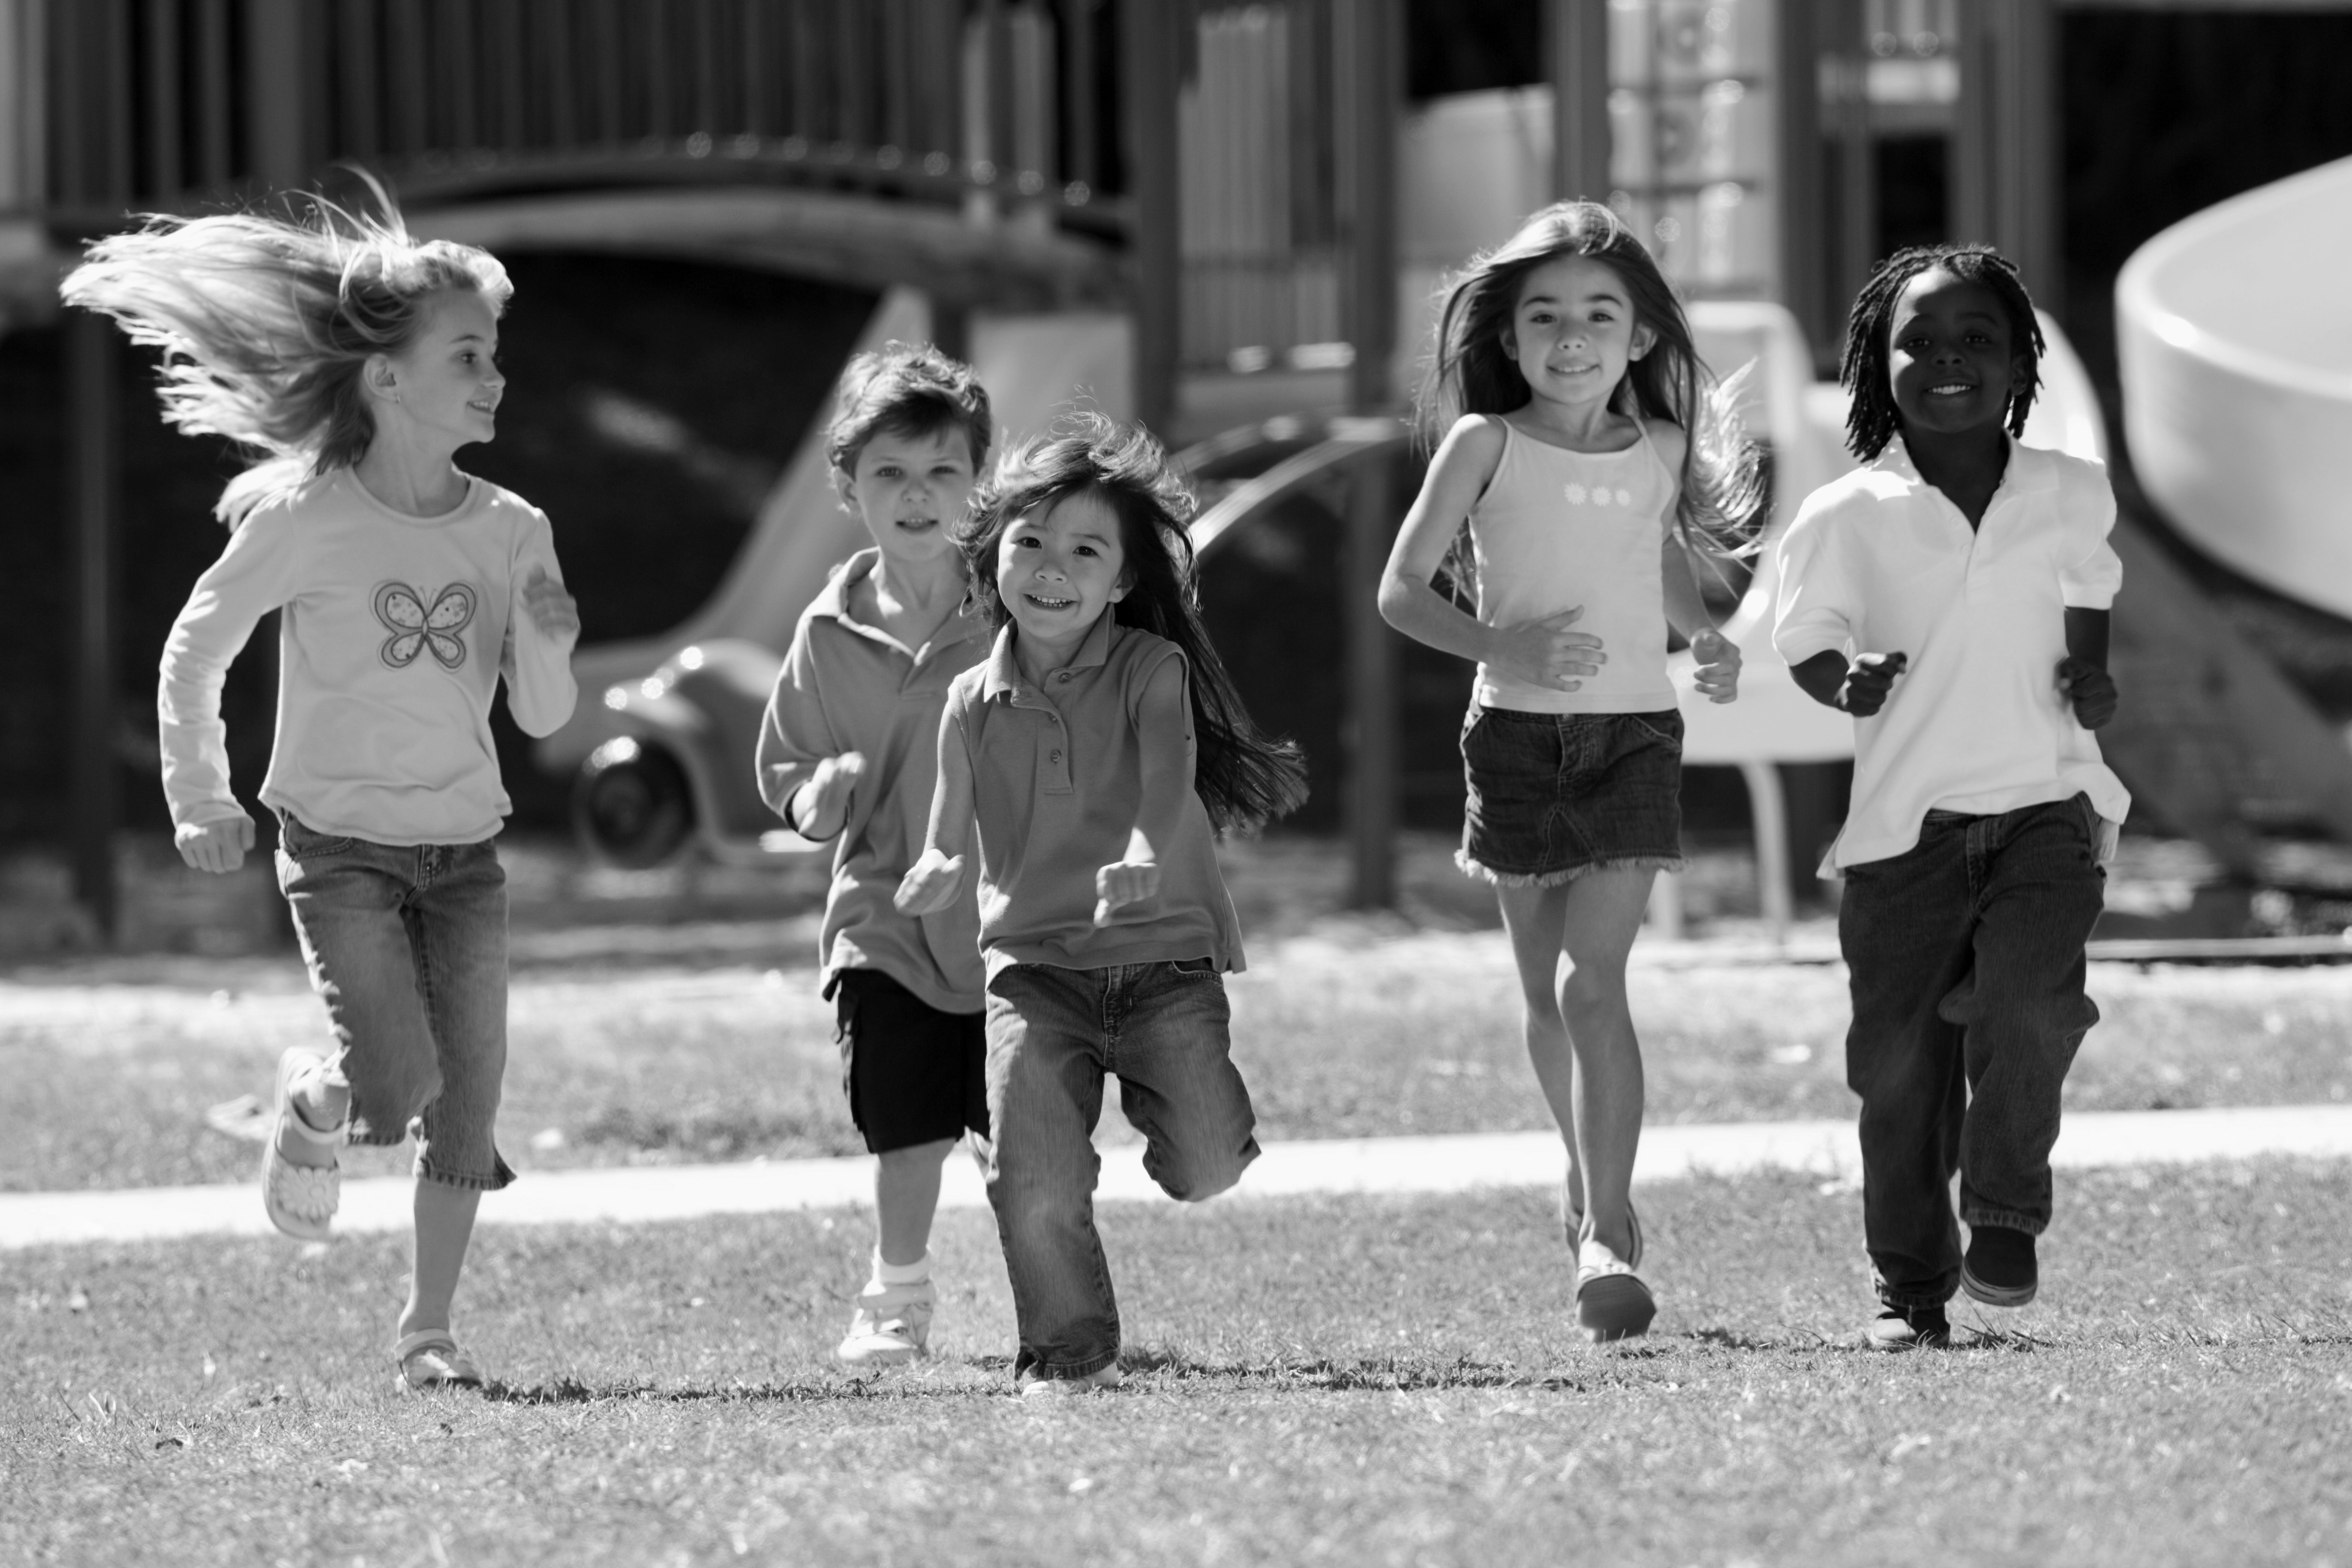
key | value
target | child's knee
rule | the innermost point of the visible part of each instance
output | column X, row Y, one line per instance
column 1196, row 1176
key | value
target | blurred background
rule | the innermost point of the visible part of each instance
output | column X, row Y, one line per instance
column 1230, row 222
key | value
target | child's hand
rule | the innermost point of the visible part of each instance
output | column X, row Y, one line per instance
column 555, row 612
column 1866, row 684
column 1545, row 652
column 823, row 804
column 930, row 884
column 1718, row 666
column 1122, row 883
column 215, row 847
column 2089, row 688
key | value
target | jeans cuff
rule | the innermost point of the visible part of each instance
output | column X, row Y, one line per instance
column 1889, row 1296
column 2004, row 1219
column 1069, row 1371
column 496, row 1181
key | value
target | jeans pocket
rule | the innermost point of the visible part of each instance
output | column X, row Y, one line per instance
column 1194, row 966
column 305, row 843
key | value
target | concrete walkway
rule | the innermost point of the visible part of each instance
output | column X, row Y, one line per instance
column 640, row 1194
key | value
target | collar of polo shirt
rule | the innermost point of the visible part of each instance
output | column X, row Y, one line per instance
column 1004, row 670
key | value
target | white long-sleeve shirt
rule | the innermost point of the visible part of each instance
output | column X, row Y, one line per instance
column 396, row 632
column 1880, row 561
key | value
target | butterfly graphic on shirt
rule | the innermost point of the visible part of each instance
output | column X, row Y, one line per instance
column 416, row 625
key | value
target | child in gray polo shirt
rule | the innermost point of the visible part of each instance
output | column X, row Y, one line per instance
column 1097, row 751
column 847, row 754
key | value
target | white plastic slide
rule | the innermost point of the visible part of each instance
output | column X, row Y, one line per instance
column 2235, row 334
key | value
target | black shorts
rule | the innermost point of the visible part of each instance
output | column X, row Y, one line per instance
column 913, row 1074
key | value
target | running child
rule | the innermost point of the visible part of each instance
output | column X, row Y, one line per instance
column 360, row 359
column 1952, row 595
column 1098, row 751
column 1586, row 462
column 850, row 751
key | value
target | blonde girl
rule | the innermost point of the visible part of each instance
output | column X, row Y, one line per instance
column 356, row 360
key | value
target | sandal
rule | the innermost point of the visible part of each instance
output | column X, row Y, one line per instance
column 1632, row 1218
column 299, row 1200
column 1611, row 1303
column 430, row 1359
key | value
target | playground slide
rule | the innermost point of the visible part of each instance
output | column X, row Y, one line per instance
column 2235, row 334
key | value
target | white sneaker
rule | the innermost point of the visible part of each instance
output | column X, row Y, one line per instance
column 1611, row 1303
column 891, row 1326
column 1036, row 1385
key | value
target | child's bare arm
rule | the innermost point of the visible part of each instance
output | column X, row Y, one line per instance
column 931, row 883
column 1543, row 652
column 1164, row 724
column 2083, row 673
column 1716, row 655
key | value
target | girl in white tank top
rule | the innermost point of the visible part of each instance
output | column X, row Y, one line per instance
column 1583, row 464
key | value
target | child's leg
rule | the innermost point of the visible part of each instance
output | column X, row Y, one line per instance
column 1903, row 924
column 1045, row 1094
column 905, row 1197
column 1172, row 1048
column 2023, row 1008
column 1536, row 918
column 916, row 1078
column 457, row 927
column 1598, row 916
column 347, row 895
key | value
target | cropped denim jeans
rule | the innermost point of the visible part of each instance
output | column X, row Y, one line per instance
column 1966, row 954
column 407, row 946
column 1052, row 1034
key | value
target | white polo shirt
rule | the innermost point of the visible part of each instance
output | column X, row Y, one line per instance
column 1882, row 561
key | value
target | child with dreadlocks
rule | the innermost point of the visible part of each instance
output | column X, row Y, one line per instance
column 1097, row 750
column 1952, row 595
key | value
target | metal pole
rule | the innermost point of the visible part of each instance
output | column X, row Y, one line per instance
column 1576, row 44
column 92, row 373
column 1150, row 60
column 1369, row 49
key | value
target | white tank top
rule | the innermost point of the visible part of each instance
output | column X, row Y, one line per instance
column 1556, row 529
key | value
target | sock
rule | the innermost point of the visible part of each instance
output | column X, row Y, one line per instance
column 913, row 1273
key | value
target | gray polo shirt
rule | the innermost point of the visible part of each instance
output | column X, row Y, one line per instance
column 1058, row 780
column 847, row 687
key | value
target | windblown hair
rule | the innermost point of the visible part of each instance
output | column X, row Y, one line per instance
column 910, row 390
column 1721, row 501
column 1872, row 419
column 1243, row 777
column 265, row 322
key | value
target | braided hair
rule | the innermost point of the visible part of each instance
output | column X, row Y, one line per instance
column 1872, row 419
column 1243, row 776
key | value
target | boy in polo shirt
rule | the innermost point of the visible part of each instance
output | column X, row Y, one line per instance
column 1953, row 596
column 849, row 752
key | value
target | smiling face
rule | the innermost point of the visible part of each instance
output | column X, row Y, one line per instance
column 1952, row 362
column 1060, row 567
column 445, row 385
column 910, row 489
column 1572, row 333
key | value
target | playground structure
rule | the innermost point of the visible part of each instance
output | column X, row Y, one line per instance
column 1219, row 219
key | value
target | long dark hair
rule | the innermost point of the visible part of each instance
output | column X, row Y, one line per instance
column 1720, row 502
column 1871, row 418
column 1243, row 777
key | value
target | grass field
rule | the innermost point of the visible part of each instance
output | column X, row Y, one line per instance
column 706, row 1047
column 1309, row 1381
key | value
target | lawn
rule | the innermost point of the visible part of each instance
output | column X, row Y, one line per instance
column 1389, row 1380
column 710, row 1044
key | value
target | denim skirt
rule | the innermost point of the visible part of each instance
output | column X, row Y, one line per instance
column 1555, row 795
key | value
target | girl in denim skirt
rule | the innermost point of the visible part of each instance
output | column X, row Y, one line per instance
column 358, row 361
column 1588, row 460
column 1097, row 750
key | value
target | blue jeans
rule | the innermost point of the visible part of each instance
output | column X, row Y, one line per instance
column 1966, row 954
column 1052, row 1034
column 407, row 946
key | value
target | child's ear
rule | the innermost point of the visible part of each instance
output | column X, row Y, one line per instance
column 381, row 378
column 1644, row 340
column 845, row 485
column 1126, row 583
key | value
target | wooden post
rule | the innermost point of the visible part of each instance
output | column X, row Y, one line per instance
column 1151, row 57
column 1804, row 280
column 278, row 93
column 1576, row 51
column 1368, row 46
column 95, row 459
column 2005, row 151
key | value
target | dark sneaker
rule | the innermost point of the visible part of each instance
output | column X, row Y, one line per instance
column 1998, row 1268
column 1908, row 1328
